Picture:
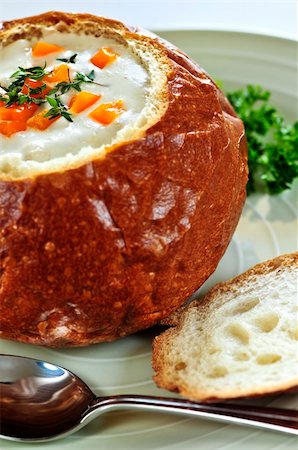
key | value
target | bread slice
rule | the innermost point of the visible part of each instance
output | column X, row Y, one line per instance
column 240, row 340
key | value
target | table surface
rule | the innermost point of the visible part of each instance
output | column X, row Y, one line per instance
column 273, row 17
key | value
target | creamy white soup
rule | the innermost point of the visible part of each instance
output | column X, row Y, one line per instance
column 90, row 93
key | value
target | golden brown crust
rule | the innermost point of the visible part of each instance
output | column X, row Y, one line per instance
column 164, row 341
column 279, row 263
column 63, row 20
column 117, row 244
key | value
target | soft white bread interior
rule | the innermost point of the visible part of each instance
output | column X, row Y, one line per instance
column 238, row 341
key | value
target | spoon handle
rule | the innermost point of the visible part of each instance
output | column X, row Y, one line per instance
column 283, row 420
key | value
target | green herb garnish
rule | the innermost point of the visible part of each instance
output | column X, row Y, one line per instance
column 14, row 95
column 11, row 96
column 27, row 98
column 34, row 73
column 64, row 86
column 272, row 144
column 72, row 59
column 57, row 109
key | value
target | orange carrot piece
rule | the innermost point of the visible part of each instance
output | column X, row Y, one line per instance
column 60, row 73
column 40, row 122
column 44, row 48
column 33, row 84
column 82, row 101
column 103, row 57
column 9, row 127
column 106, row 113
column 18, row 113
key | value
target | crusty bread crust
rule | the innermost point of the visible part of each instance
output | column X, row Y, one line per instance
column 161, row 344
column 73, row 274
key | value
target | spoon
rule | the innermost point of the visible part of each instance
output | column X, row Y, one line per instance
column 42, row 402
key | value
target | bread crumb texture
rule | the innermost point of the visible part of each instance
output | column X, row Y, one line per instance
column 240, row 340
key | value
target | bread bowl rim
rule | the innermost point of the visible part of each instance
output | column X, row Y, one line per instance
column 127, row 36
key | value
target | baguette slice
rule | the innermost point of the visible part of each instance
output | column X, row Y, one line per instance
column 240, row 340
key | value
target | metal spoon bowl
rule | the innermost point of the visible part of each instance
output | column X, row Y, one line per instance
column 42, row 402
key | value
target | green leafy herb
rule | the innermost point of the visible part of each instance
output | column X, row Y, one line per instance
column 25, row 98
column 91, row 75
column 57, row 109
column 63, row 87
column 272, row 144
column 37, row 90
column 72, row 59
column 13, row 93
column 11, row 96
column 35, row 73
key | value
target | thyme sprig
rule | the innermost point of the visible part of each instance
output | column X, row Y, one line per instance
column 34, row 73
column 57, row 109
column 72, row 59
column 63, row 87
column 13, row 94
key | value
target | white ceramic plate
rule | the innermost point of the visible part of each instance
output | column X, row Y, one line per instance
column 267, row 228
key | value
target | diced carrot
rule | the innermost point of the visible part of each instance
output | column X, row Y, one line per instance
column 18, row 112
column 9, row 127
column 33, row 84
column 40, row 122
column 44, row 48
column 106, row 113
column 82, row 101
column 7, row 113
column 60, row 73
column 103, row 57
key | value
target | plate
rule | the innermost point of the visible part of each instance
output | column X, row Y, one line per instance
column 267, row 228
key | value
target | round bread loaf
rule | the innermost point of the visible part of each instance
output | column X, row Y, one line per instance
column 107, row 228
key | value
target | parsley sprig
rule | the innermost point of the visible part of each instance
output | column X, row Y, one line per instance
column 272, row 144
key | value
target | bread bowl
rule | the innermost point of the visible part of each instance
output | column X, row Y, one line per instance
column 101, row 240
